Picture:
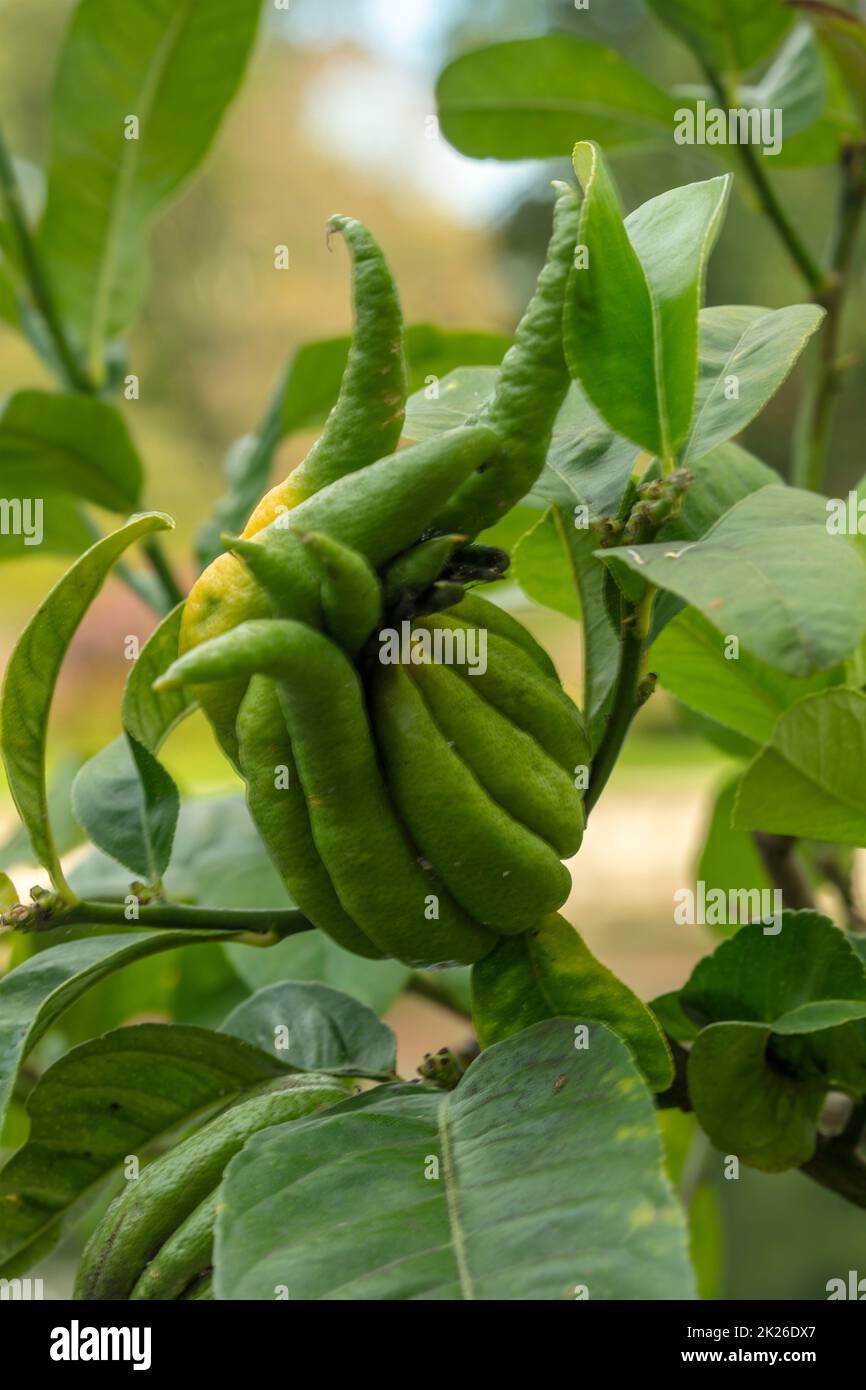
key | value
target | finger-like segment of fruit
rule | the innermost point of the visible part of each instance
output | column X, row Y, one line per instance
column 186, row 1254
column 480, row 612
column 381, row 510
column 508, row 763
column 497, row 869
column 377, row 512
column 285, row 573
column 530, row 389
column 364, row 425
column 514, row 685
column 200, row 1289
column 141, row 1219
column 367, row 418
column 279, row 808
column 369, row 857
column 416, row 569
column 223, row 596
column 373, row 864
column 350, row 593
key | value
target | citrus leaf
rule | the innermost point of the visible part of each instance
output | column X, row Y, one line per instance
column 311, row 1027
column 37, row 992
column 769, row 574
column 493, row 1191
column 104, row 1101
column 630, row 329
column 746, row 354
column 746, row 695
column 549, row 972
column 844, row 37
column 732, row 35
column 531, row 99
column 32, row 674
column 129, row 806
column 51, row 442
column 783, row 1023
column 150, row 715
column 808, row 781
column 106, row 177
column 729, row 859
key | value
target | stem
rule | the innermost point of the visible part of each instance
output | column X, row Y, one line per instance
column 802, row 257
column 187, row 917
column 838, row 1165
column 777, row 853
column 163, row 571
column 626, row 701
column 814, row 429
column 73, row 374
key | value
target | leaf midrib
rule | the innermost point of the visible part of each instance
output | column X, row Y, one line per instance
column 455, row 1223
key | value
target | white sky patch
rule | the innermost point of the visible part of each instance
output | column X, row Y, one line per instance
column 376, row 118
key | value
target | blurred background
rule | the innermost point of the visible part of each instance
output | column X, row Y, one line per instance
column 336, row 115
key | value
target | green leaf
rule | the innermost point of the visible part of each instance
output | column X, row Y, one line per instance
column 123, row 796
column 36, row 993
column 493, row 1191
column 719, row 480
column 732, row 35
column 729, row 859
column 749, row 351
column 543, row 567
column 746, row 695
column 825, row 141
column 748, row 1108
column 100, row 1103
column 784, row 1025
column 120, row 60
column 809, row 781
column 312, row 1027
column 50, row 443
column 550, row 972
column 150, row 715
column 304, row 396
column 32, row 674
column 844, row 37
column 129, row 806
column 533, row 98
column 759, row 977
column 630, row 330
column 795, row 83
column 769, row 574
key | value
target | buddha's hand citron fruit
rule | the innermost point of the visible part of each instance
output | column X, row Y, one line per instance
column 412, row 763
